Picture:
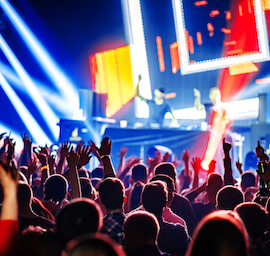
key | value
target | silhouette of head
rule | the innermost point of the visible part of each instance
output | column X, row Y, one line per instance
column 229, row 197
column 220, row 233
column 111, row 192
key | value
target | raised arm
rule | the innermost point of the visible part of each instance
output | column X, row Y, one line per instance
column 138, row 89
column 197, row 101
column 64, row 149
column 104, row 152
column 228, row 174
column 9, row 226
column 196, row 165
column 73, row 160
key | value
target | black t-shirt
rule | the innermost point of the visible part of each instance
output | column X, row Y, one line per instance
column 157, row 112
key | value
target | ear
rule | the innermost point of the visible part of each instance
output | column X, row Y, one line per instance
column 124, row 199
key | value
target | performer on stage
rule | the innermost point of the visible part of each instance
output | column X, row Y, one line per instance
column 158, row 107
column 215, row 106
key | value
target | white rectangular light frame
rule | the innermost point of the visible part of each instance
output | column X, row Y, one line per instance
column 218, row 63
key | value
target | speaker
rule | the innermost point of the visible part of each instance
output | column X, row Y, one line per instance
column 93, row 104
column 74, row 131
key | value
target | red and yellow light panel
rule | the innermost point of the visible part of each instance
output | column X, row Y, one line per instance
column 112, row 74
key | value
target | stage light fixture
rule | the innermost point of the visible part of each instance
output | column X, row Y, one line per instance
column 46, row 62
column 55, row 101
column 33, row 127
column 188, row 66
column 48, row 115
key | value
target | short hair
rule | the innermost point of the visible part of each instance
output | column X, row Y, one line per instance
column 169, row 183
column 161, row 89
column 94, row 244
column 80, row 216
column 55, row 188
column 167, row 169
column 154, row 197
column 139, row 172
column 142, row 224
column 219, row 232
column 111, row 192
column 24, row 193
column 254, row 217
column 229, row 197
column 248, row 179
column 87, row 188
column 214, row 183
column 97, row 172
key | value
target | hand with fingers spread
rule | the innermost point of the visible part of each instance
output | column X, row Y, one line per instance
column 64, row 149
column 85, row 156
column 94, row 149
column 73, row 158
column 105, row 147
column 196, row 164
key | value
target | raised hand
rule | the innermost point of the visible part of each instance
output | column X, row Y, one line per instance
column 94, row 149
column 43, row 158
column 260, row 153
column 32, row 166
column 27, row 141
column 212, row 166
column 226, row 148
column 185, row 156
column 166, row 157
column 123, row 152
column 239, row 166
column 105, row 147
column 85, row 156
column 64, row 149
column 9, row 176
column 2, row 135
column 45, row 150
column 11, row 149
column 73, row 158
column 196, row 164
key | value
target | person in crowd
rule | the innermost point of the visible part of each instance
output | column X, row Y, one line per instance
column 255, row 219
column 112, row 196
column 229, row 197
column 138, row 178
column 141, row 231
column 220, row 233
column 180, row 205
column 80, row 216
column 172, row 238
column 93, row 244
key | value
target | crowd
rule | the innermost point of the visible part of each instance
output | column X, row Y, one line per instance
column 53, row 205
